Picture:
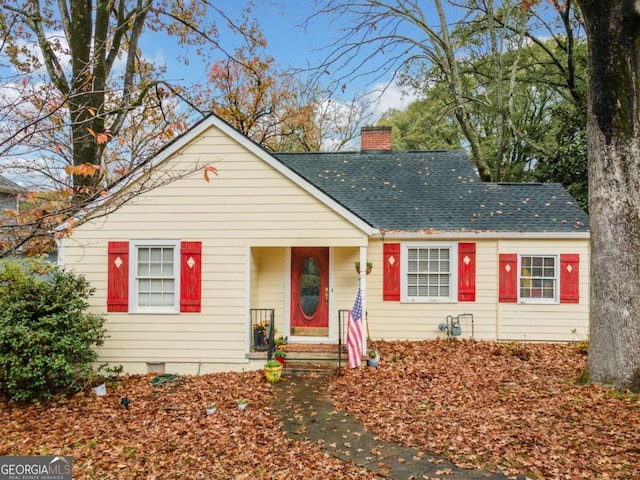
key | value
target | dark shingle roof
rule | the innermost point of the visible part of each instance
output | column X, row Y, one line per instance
column 435, row 190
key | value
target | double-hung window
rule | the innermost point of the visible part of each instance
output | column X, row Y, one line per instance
column 539, row 278
column 155, row 277
column 428, row 272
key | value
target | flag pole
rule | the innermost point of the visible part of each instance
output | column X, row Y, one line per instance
column 362, row 285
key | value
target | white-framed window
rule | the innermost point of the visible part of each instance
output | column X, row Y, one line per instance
column 538, row 278
column 154, row 282
column 429, row 272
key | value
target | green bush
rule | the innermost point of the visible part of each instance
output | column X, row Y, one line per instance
column 47, row 338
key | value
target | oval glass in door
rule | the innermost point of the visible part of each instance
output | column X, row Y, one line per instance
column 310, row 284
column 310, row 291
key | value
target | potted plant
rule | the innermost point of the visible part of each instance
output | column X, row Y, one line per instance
column 367, row 271
column 259, row 335
column 98, row 384
column 211, row 408
column 242, row 403
column 273, row 371
column 280, row 355
column 280, row 341
column 373, row 357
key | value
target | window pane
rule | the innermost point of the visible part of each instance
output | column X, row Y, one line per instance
column 538, row 277
column 429, row 272
column 143, row 254
column 144, row 285
column 155, row 276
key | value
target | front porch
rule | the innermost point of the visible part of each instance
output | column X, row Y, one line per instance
column 309, row 357
column 303, row 290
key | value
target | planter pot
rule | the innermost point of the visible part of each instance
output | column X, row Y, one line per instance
column 100, row 390
column 367, row 270
column 258, row 338
column 373, row 361
column 273, row 374
column 211, row 411
column 242, row 406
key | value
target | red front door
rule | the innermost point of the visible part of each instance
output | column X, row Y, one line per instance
column 310, row 291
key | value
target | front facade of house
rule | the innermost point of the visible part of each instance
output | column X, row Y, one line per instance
column 181, row 271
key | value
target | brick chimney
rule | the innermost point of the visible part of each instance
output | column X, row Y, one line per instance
column 375, row 138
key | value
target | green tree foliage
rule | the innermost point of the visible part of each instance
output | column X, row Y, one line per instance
column 567, row 162
column 497, row 68
column 47, row 338
column 545, row 131
column 426, row 124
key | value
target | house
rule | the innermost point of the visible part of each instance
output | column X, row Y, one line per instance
column 186, row 270
column 9, row 194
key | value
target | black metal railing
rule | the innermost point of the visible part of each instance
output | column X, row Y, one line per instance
column 343, row 319
column 262, row 328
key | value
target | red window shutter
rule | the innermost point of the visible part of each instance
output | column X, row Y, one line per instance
column 190, row 276
column 466, row 272
column 118, row 277
column 508, row 278
column 391, row 272
column 569, row 278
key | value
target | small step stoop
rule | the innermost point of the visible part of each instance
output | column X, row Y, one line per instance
column 319, row 359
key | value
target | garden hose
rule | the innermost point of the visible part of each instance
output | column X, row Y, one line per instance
column 163, row 379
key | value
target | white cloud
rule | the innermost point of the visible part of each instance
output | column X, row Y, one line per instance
column 385, row 97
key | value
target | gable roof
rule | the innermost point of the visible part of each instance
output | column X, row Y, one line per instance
column 7, row 186
column 182, row 141
column 435, row 191
column 386, row 191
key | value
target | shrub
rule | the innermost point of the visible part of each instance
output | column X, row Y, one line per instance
column 46, row 335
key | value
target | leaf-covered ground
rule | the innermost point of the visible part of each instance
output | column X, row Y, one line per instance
column 166, row 433
column 513, row 406
column 508, row 406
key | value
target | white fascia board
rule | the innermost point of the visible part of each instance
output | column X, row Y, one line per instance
column 484, row 235
column 213, row 120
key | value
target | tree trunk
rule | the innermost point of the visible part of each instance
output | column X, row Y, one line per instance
column 613, row 124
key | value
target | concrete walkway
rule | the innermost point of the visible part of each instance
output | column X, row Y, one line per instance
column 307, row 412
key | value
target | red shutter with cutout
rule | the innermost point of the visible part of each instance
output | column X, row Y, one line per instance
column 466, row 272
column 118, row 277
column 391, row 272
column 508, row 278
column 569, row 278
column 190, row 276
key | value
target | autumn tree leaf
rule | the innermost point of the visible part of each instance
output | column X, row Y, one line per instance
column 209, row 169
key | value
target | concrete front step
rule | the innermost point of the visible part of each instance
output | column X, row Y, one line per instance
column 298, row 362
column 303, row 358
column 299, row 368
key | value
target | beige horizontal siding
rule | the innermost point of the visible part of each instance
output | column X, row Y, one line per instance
column 247, row 219
column 247, row 205
column 492, row 320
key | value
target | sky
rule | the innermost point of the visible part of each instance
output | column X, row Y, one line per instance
column 289, row 42
column 292, row 45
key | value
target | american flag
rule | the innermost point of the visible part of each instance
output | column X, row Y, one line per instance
column 354, row 333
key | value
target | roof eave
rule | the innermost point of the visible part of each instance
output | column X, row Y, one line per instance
column 465, row 235
column 213, row 120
